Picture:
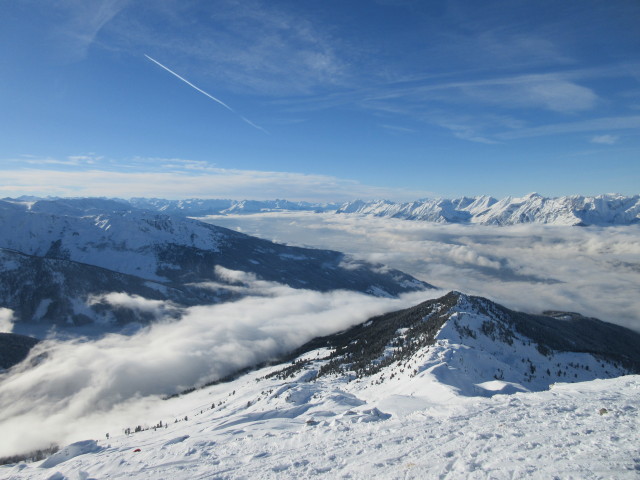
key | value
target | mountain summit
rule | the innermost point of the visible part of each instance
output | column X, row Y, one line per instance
column 478, row 347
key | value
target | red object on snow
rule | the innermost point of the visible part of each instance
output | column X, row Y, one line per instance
column 137, row 450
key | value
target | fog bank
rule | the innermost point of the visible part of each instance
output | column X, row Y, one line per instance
column 72, row 390
column 591, row 270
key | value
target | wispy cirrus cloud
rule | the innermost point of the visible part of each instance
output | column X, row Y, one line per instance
column 544, row 92
column 79, row 25
column 590, row 125
column 251, row 47
column 605, row 139
column 71, row 160
column 398, row 129
column 291, row 55
column 457, row 66
column 489, row 110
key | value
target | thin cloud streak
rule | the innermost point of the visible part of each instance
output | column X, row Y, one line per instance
column 592, row 125
column 605, row 139
column 188, row 181
column 207, row 94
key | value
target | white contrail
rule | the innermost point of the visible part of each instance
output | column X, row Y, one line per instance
column 207, row 94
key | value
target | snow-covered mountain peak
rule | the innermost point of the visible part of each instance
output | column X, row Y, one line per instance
column 601, row 210
column 532, row 195
column 465, row 342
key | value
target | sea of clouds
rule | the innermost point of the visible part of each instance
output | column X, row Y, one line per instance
column 531, row 267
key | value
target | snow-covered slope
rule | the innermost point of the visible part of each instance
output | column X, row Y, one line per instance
column 559, row 433
column 480, row 348
column 452, row 388
column 533, row 208
column 57, row 254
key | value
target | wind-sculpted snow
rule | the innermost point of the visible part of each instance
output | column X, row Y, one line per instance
column 533, row 208
column 554, row 434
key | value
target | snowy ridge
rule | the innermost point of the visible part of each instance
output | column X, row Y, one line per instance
column 449, row 396
column 92, row 231
column 59, row 257
column 466, row 342
column 533, row 208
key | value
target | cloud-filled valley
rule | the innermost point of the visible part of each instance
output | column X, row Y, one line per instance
column 594, row 271
column 70, row 390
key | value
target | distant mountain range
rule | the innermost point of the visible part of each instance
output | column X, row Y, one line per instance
column 199, row 207
column 600, row 210
column 59, row 258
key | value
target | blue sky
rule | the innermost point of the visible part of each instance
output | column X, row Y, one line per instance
column 327, row 100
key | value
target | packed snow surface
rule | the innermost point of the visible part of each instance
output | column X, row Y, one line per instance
column 585, row 430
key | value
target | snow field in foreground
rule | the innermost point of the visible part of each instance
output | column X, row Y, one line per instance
column 306, row 430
